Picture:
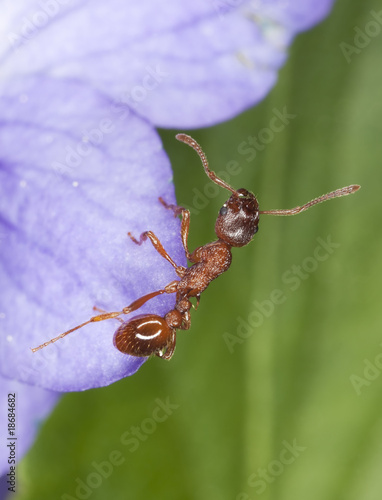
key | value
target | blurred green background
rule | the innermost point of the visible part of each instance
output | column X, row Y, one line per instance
column 294, row 412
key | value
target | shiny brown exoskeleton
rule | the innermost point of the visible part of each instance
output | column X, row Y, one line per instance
column 237, row 223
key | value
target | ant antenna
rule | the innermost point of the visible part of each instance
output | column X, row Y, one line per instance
column 292, row 211
column 333, row 194
column 191, row 142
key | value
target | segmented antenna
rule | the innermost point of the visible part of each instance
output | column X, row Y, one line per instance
column 333, row 194
column 214, row 178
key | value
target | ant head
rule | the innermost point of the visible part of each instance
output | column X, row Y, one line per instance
column 238, row 219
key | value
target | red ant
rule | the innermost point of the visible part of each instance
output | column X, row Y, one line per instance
column 237, row 223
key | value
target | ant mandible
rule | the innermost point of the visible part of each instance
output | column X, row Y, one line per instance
column 237, row 223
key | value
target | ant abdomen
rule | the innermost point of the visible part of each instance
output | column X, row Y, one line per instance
column 145, row 335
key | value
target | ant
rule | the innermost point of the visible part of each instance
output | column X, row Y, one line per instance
column 236, row 224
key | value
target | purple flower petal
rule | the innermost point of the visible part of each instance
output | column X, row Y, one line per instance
column 177, row 64
column 31, row 406
column 297, row 16
column 77, row 173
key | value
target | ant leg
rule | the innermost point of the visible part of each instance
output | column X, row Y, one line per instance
column 184, row 230
column 175, row 208
column 197, row 301
column 168, row 353
column 100, row 317
column 185, row 226
column 180, row 270
column 170, row 288
column 186, row 324
column 95, row 308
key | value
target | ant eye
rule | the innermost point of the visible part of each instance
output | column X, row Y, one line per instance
column 223, row 210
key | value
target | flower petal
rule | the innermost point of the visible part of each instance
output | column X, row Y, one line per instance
column 28, row 406
column 178, row 64
column 296, row 16
column 77, row 173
